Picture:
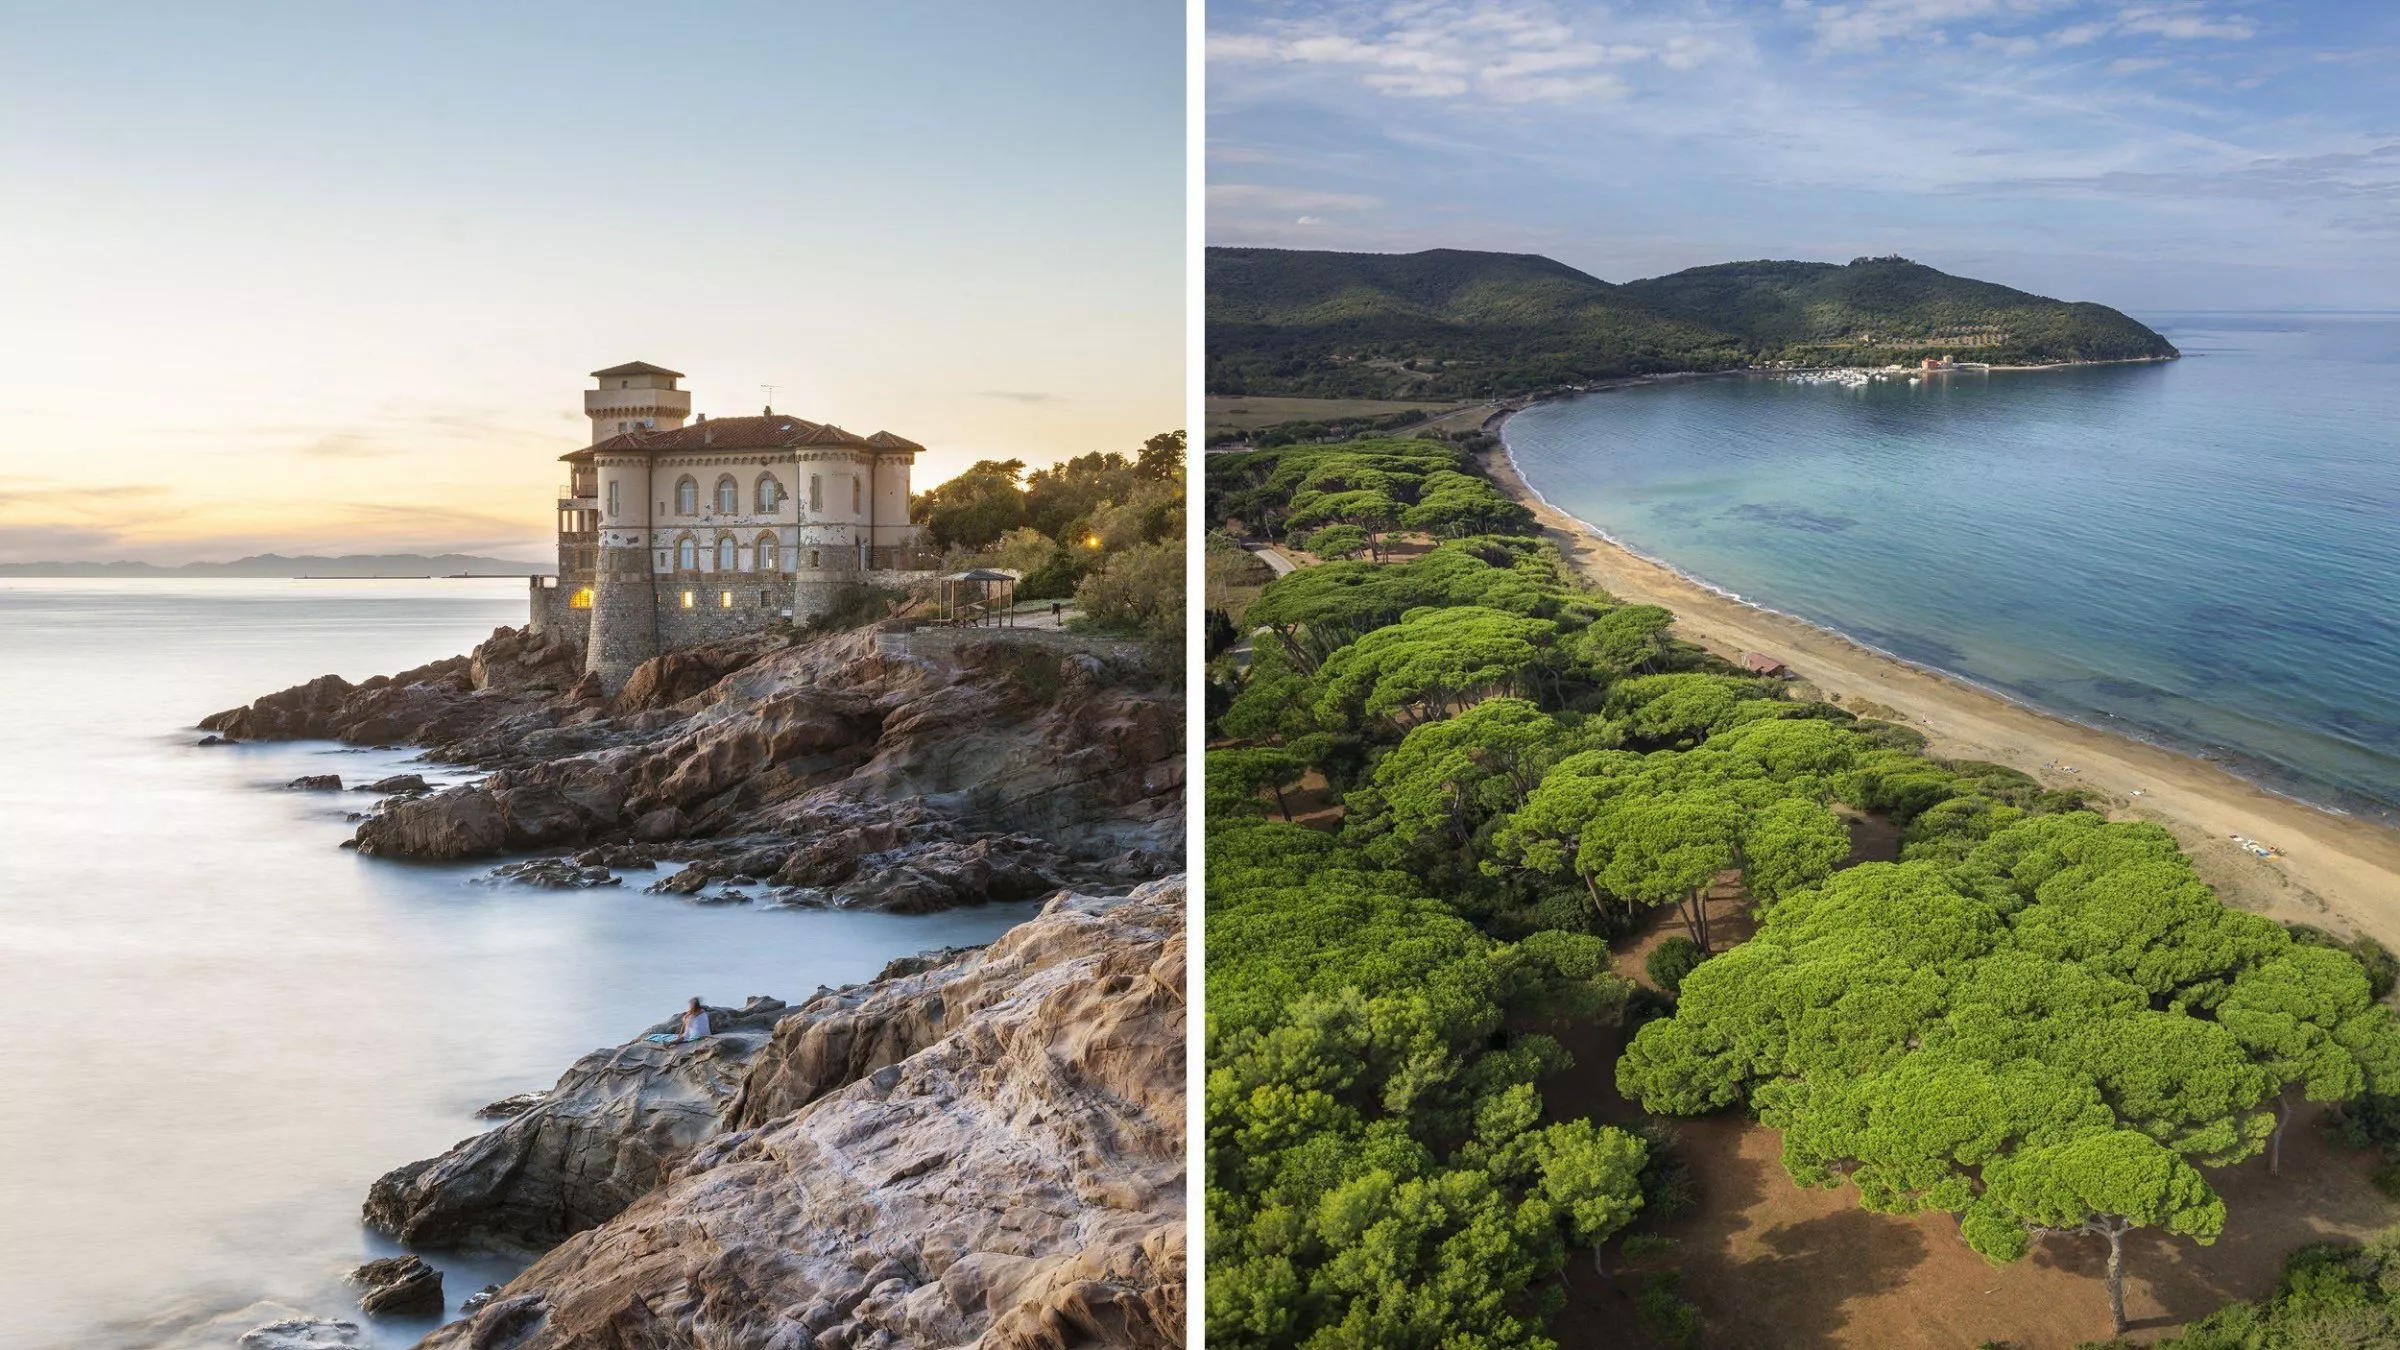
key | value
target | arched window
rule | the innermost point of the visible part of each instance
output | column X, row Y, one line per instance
column 767, row 561
column 687, row 554
column 770, row 493
column 687, row 497
column 729, row 496
column 725, row 550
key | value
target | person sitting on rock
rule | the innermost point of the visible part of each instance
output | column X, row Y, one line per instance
column 695, row 1027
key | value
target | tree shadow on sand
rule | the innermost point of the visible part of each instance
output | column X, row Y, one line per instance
column 1809, row 1274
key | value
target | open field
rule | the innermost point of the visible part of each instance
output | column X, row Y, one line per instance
column 1228, row 413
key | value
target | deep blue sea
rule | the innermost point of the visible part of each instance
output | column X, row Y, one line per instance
column 2202, row 553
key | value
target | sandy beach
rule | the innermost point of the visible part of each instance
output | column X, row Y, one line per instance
column 2336, row 872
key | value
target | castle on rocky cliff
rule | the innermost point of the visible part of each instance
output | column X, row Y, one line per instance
column 675, row 530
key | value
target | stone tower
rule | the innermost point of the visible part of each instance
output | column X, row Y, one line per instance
column 636, row 396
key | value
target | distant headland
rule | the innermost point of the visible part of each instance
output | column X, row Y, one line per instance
column 1450, row 324
column 347, row 566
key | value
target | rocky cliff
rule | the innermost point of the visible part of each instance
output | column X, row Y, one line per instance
column 835, row 770
column 987, row 1151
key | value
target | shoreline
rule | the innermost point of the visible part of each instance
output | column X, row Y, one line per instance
column 2337, row 871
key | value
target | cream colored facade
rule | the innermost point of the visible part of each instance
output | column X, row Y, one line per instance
column 686, row 529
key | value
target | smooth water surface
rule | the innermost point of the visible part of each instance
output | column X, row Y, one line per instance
column 2203, row 553
column 223, row 1026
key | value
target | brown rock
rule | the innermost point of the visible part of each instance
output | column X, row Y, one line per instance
column 461, row 822
column 659, row 826
column 583, row 1150
column 986, row 1155
column 676, row 676
column 398, row 1286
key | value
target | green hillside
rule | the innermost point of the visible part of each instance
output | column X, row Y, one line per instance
column 1449, row 323
column 1435, row 325
column 1881, row 309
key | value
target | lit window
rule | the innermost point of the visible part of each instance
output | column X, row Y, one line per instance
column 687, row 599
column 582, row 599
column 724, row 599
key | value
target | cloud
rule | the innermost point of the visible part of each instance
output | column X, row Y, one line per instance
column 2371, row 175
column 72, row 496
column 1871, row 24
column 1499, row 51
column 2186, row 23
column 341, row 445
column 53, row 543
column 1310, row 220
column 1017, row 395
column 1284, row 200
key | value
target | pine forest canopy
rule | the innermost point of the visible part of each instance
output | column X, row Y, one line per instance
column 2036, row 1019
column 1452, row 323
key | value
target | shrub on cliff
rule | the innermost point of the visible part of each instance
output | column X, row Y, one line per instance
column 1138, row 593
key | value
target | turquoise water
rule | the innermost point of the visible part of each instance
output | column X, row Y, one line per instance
column 2202, row 553
column 224, row 1026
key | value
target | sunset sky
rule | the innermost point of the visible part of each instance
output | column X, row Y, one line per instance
column 2150, row 154
column 328, row 278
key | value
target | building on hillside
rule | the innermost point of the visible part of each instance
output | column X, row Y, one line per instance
column 1759, row 663
column 676, row 529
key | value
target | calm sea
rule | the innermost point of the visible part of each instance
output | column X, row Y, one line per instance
column 2203, row 553
column 222, row 1027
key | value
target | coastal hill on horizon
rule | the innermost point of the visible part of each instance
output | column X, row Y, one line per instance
column 272, row 565
column 1457, row 323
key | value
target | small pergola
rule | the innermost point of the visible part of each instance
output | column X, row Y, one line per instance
column 979, row 597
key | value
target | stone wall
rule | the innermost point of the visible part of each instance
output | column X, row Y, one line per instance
column 756, row 601
column 547, row 611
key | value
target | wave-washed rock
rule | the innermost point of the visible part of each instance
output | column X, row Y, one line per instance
column 985, row 1151
column 983, row 770
column 585, row 1149
column 398, row 1286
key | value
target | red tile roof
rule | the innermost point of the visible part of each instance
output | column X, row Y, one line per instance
column 780, row 431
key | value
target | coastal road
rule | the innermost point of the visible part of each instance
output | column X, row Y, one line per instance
column 1274, row 558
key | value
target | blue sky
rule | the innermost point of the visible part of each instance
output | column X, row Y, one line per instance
column 2153, row 156
column 328, row 276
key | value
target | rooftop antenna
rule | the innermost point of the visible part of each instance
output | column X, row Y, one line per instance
column 770, row 388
